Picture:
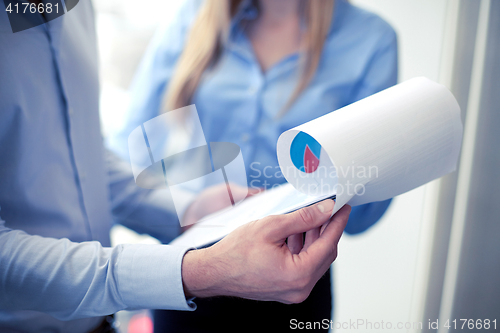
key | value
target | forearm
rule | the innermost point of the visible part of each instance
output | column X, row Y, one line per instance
column 201, row 275
column 75, row 280
column 143, row 210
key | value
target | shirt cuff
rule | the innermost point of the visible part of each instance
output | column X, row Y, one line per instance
column 150, row 277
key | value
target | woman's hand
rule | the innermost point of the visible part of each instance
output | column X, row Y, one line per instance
column 214, row 199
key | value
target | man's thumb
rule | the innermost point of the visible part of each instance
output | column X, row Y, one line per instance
column 305, row 219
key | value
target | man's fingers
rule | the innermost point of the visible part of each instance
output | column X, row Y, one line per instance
column 295, row 243
column 324, row 248
column 337, row 224
column 301, row 220
column 311, row 237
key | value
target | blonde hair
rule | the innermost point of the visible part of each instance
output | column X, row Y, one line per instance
column 210, row 31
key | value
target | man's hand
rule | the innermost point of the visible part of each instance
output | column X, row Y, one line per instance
column 255, row 261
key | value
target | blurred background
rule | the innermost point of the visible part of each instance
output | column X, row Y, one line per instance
column 435, row 255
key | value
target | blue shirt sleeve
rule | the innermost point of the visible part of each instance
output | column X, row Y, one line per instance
column 71, row 280
column 143, row 210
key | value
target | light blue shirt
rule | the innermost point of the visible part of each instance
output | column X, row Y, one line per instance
column 60, row 191
column 238, row 102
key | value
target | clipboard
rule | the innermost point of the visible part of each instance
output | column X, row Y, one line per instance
column 279, row 200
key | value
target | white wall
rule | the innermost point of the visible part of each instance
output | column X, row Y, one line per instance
column 374, row 275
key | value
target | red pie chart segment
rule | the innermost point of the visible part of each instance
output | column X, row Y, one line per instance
column 311, row 162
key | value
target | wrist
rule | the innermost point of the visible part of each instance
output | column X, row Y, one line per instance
column 200, row 275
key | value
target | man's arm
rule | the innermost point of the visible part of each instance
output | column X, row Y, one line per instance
column 74, row 280
column 71, row 280
column 152, row 211
column 142, row 210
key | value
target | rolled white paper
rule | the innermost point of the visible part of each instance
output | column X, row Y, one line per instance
column 377, row 148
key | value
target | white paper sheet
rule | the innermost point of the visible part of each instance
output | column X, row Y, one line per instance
column 371, row 150
column 381, row 146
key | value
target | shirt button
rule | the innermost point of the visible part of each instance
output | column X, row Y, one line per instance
column 83, row 175
column 245, row 137
column 70, row 111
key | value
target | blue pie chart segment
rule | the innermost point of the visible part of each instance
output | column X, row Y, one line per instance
column 305, row 153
